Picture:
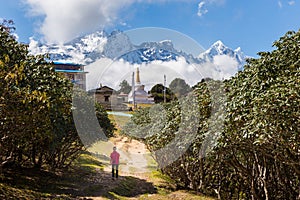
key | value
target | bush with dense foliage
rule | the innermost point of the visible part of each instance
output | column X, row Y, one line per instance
column 36, row 123
column 157, row 91
column 262, row 132
column 247, row 142
column 179, row 87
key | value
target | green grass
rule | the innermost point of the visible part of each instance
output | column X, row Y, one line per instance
column 119, row 121
column 89, row 162
column 141, row 105
column 87, row 179
column 28, row 183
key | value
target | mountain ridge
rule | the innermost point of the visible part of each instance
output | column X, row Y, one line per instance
column 117, row 46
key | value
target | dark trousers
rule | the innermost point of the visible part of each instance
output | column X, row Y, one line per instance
column 113, row 168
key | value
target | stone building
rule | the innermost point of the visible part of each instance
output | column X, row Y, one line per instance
column 109, row 98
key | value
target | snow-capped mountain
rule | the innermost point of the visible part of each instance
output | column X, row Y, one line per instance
column 117, row 46
column 110, row 58
column 82, row 50
column 218, row 50
column 150, row 51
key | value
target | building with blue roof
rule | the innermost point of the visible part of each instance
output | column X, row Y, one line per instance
column 74, row 72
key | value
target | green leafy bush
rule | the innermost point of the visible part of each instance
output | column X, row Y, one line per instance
column 36, row 123
column 247, row 139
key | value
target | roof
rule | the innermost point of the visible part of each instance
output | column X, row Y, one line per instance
column 70, row 71
column 104, row 88
column 66, row 63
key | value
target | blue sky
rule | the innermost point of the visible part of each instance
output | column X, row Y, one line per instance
column 252, row 25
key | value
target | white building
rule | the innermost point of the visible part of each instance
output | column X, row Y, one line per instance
column 139, row 96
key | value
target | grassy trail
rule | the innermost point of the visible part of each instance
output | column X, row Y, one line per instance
column 90, row 176
column 139, row 177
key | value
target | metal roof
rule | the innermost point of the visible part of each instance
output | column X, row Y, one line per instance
column 70, row 71
column 66, row 63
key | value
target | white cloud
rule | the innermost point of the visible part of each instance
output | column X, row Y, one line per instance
column 66, row 19
column 33, row 47
column 226, row 65
column 63, row 20
column 291, row 3
column 202, row 10
column 107, row 72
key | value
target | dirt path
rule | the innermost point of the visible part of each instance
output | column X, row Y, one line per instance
column 136, row 165
column 139, row 178
column 135, row 159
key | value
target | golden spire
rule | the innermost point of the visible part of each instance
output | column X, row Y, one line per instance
column 138, row 81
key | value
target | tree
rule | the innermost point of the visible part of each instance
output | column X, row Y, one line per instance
column 179, row 87
column 35, row 109
column 257, row 153
column 7, row 25
column 37, row 126
column 157, row 91
column 262, row 130
column 124, row 87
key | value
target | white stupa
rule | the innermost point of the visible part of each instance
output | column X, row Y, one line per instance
column 140, row 95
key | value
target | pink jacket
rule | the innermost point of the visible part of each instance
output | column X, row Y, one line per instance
column 114, row 158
